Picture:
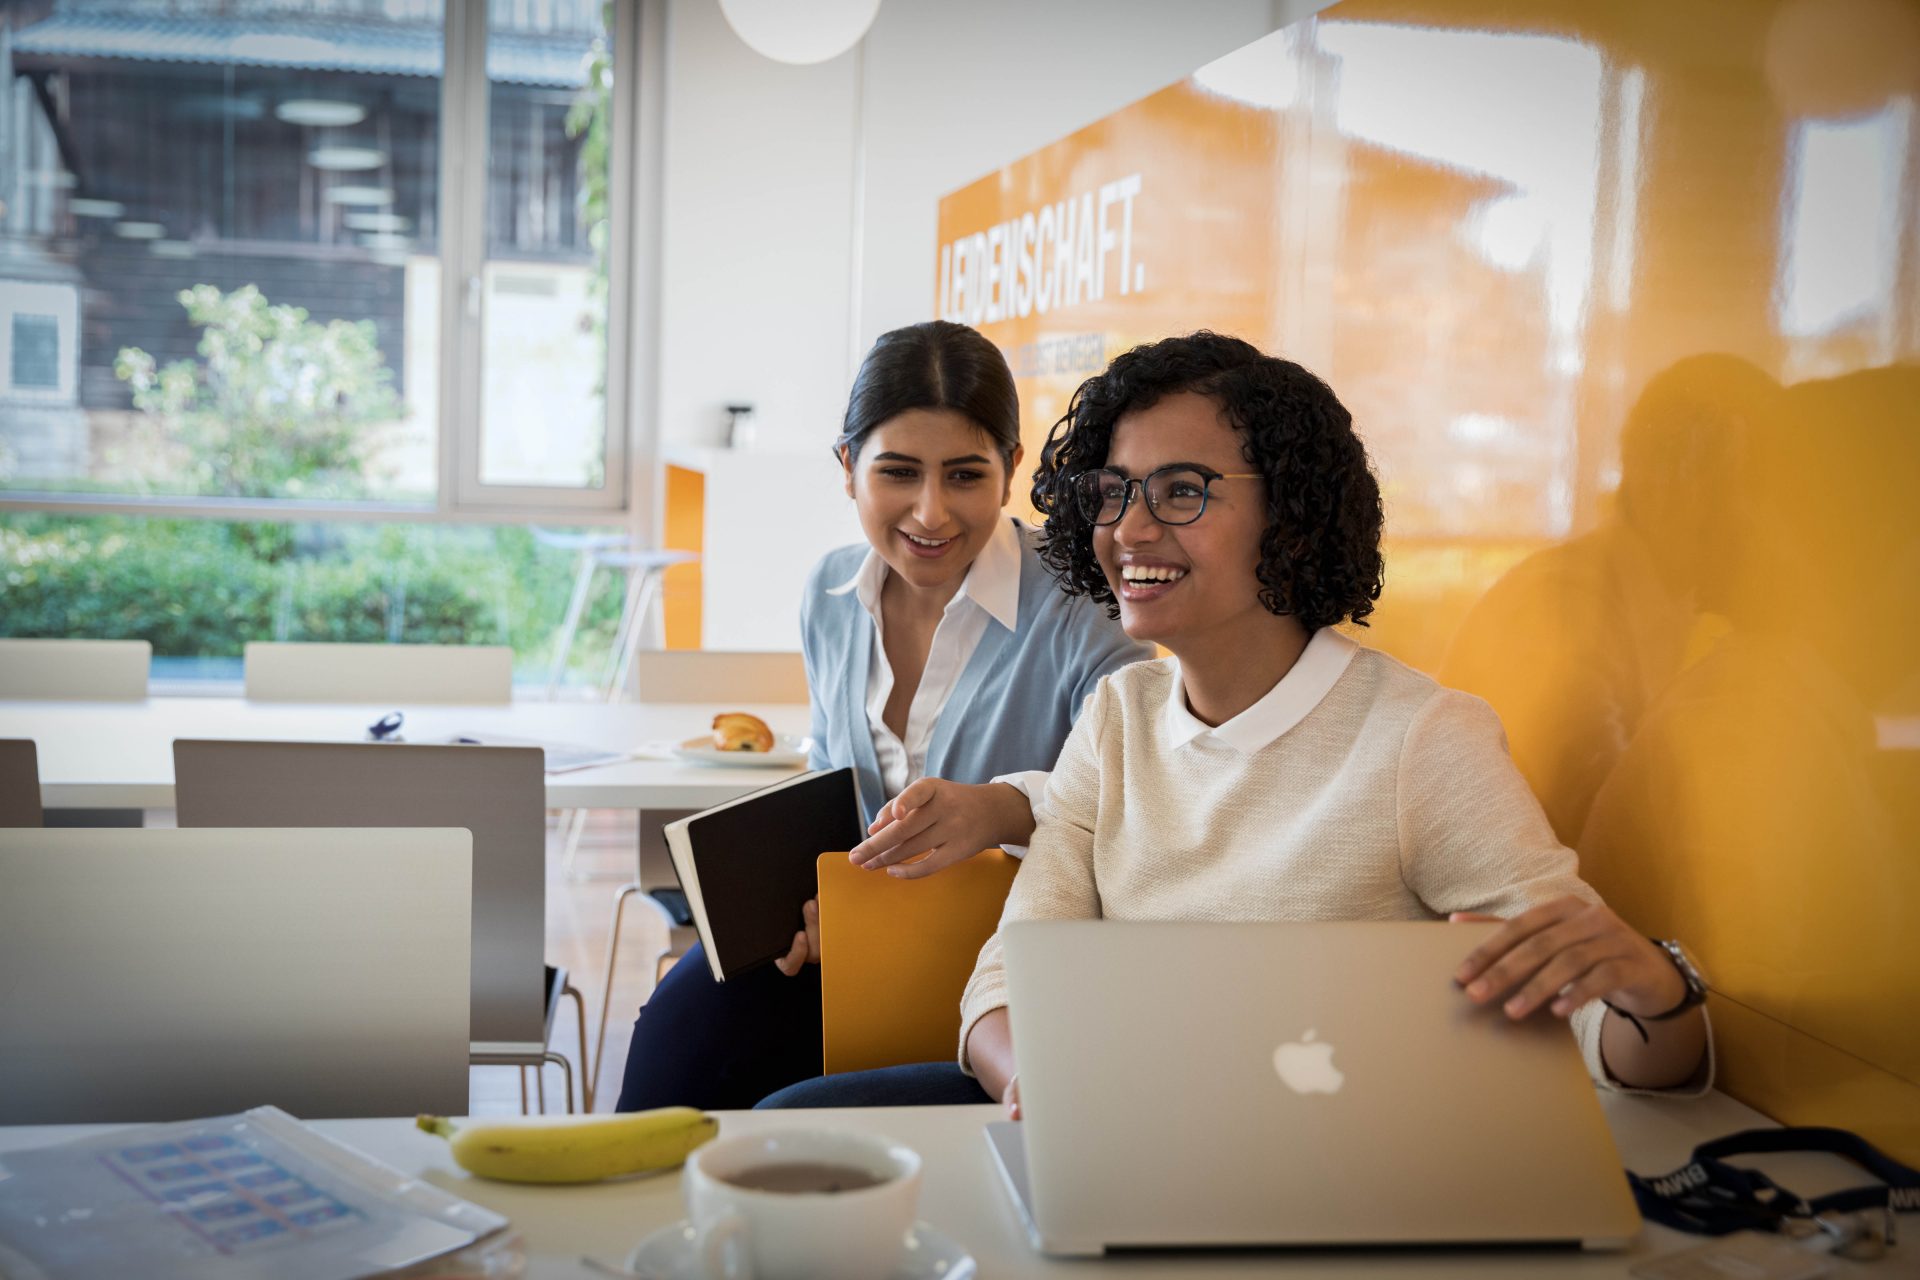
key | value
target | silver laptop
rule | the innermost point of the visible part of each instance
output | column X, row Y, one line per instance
column 1206, row 1085
column 152, row 974
column 497, row 793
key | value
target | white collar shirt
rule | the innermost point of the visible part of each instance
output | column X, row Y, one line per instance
column 990, row 593
column 1312, row 677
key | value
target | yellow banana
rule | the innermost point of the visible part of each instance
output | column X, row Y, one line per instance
column 575, row 1148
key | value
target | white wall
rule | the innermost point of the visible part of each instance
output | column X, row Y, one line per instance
column 762, row 163
column 757, row 191
column 798, row 222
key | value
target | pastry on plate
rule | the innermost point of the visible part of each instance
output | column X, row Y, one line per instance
column 738, row 731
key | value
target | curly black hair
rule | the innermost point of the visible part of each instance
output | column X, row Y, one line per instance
column 1320, row 556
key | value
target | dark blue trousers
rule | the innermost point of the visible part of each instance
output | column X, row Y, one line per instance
column 722, row 1045
column 922, row 1084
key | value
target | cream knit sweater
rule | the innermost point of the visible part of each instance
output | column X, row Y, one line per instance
column 1391, row 799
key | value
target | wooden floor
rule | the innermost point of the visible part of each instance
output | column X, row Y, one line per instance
column 579, row 911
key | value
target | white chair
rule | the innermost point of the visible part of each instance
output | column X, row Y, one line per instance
column 78, row 670
column 498, row 793
column 95, row 670
column 158, row 975
column 401, row 673
column 725, row 680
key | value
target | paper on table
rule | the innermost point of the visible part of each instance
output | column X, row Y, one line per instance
column 562, row 757
column 220, row 1199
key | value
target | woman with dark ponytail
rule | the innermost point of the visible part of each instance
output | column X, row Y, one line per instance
column 944, row 666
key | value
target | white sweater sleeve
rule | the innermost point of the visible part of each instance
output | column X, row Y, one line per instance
column 1474, row 838
column 1056, row 879
column 1031, row 783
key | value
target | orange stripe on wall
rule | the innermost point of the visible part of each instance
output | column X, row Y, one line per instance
column 685, row 529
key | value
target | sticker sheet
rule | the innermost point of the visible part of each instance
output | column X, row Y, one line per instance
column 245, row 1195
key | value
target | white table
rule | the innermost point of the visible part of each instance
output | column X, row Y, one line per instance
column 963, row 1198
column 119, row 755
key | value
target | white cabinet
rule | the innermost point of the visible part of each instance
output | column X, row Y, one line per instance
column 760, row 522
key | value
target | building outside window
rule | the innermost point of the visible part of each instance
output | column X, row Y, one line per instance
column 304, row 314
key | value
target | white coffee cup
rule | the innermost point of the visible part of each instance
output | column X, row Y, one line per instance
column 748, row 1233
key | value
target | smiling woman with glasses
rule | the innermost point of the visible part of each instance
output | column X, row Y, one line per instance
column 1272, row 768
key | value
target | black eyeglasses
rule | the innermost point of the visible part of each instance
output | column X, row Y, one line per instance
column 1175, row 495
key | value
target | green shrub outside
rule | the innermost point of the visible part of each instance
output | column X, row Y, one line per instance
column 175, row 583
column 203, row 588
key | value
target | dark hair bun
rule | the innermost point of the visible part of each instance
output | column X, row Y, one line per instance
column 935, row 365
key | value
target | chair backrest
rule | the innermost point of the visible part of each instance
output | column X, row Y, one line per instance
column 165, row 974
column 896, row 954
column 19, row 783
column 720, row 677
column 400, row 673
column 497, row 793
column 93, row 670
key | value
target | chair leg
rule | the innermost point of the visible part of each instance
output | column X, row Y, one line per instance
column 523, row 1091
column 586, row 1085
column 576, row 605
column 606, row 995
column 572, row 827
column 540, row 1085
column 641, row 605
column 624, row 635
column 566, row 1074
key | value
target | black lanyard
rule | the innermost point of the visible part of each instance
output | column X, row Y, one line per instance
column 1709, row 1197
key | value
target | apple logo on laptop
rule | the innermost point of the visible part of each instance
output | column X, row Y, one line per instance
column 1306, row 1066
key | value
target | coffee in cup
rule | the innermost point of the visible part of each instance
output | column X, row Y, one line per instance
column 801, row 1204
column 804, row 1177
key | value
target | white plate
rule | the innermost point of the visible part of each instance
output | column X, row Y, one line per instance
column 787, row 752
column 668, row 1254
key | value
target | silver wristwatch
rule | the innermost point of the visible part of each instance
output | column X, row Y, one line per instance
column 1696, row 988
column 1696, row 985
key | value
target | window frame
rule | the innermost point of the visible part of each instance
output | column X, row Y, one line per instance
column 460, row 497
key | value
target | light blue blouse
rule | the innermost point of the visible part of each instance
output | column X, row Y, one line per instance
column 1017, row 697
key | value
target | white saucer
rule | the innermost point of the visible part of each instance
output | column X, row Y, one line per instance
column 788, row 751
column 668, row 1254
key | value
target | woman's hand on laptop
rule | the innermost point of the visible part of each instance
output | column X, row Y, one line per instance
column 1563, row 953
column 947, row 821
column 806, row 943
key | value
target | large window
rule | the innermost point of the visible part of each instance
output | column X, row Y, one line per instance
column 308, row 263
column 310, row 251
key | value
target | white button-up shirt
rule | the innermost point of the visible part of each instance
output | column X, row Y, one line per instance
column 989, row 594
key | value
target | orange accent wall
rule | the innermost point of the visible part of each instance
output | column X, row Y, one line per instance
column 684, row 527
column 1625, row 300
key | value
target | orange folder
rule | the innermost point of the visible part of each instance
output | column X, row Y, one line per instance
column 896, row 954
